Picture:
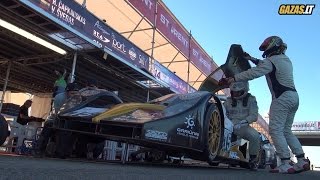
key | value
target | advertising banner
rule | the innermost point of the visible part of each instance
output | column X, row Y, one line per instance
column 146, row 7
column 306, row 126
column 80, row 19
column 200, row 59
column 172, row 30
column 165, row 75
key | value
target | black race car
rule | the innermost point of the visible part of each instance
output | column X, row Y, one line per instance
column 192, row 125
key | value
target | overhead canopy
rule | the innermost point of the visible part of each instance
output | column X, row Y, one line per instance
column 33, row 64
column 144, row 22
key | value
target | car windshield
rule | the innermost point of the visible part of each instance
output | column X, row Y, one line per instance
column 71, row 102
column 102, row 100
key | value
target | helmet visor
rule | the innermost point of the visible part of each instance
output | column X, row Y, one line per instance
column 265, row 44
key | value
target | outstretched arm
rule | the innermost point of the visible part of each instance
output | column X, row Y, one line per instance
column 263, row 68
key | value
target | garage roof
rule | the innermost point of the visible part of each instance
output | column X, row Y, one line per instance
column 33, row 64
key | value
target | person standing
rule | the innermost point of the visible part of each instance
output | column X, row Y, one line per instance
column 277, row 67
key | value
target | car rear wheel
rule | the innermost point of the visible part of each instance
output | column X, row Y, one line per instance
column 214, row 129
column 3, row 130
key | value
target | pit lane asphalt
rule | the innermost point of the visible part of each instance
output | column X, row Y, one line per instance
column 29, row 168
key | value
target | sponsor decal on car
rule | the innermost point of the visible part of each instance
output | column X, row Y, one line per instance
column 188, row 132
column 233, row 155
column 156, row 135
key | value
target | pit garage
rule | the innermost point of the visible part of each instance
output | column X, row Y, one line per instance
column 28, row 60
column 33, row 46
column 29, row 66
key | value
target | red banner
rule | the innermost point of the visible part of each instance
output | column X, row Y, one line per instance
column 172, row 30
column 175, row 32
column 200, row 59
column 146, row 8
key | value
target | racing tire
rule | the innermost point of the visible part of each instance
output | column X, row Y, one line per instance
column 213, row 132
column 3, row 130
column 262, row 160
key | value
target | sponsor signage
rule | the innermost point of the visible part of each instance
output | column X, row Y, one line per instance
column 80, row 19
column 165, row 75
column 306, row 126
column 146, row 7
column 188, row 131
column 200, row 59
column 175, row 32
column 156, row 135
column 172, row 30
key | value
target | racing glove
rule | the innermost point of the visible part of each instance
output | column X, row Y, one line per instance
column 226, row 81
column 240, row 124
column 250, row 58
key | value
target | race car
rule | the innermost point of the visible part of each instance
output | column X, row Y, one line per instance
column 191, row 125
column 194, row 125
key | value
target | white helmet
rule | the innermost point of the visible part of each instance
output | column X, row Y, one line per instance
column 239, row 89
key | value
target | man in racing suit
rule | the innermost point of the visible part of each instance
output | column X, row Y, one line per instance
column 278, row 70
column 242, row 110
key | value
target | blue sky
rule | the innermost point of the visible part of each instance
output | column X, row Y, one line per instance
column 218, row 24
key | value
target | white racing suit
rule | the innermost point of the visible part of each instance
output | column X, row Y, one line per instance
column 285, row 101
column 245, row 109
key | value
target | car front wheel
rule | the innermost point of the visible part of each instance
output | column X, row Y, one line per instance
column 214, row 131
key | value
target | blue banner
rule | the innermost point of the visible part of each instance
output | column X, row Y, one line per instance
column 165, row 75
column 80, row 19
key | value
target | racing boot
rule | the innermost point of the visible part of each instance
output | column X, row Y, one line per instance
column 302, row 164
column 253, row 163
column 285, row 167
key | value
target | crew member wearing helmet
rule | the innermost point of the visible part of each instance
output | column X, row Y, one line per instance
column 242, row 110
column 278, row 70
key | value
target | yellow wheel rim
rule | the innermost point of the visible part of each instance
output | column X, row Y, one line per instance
column 214, row 132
